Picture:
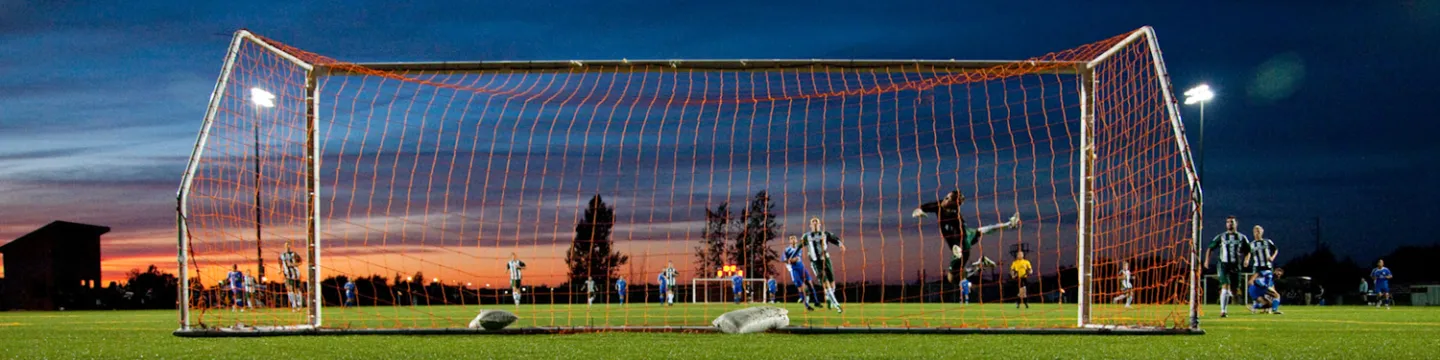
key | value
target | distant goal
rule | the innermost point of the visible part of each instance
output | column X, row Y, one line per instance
column 392, row 197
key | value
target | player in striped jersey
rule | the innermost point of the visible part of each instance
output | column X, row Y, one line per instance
column 667, row 284
column 514, row 267
column 290, row 269
column 589, row 291
column 816, row 243
column 959, row 237
column 798, row 275
column 1262, row 252
column 250, row 288
column 1126, row 287
column 1232, row 245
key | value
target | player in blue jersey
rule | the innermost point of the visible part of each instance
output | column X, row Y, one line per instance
column 964, row 291
column 349, row 292
column 620, row 289
column 739, row 284
column 798, row 275
column 1263, row 293
column 770, row 289
column 1381, row 277
column 237, row 287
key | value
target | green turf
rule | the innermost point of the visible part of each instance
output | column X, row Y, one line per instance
column 1303, row 332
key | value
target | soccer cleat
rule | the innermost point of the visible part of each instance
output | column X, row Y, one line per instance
column 1015, row 220
column 986, row 262
column 1276, row 312
column 1224, row 314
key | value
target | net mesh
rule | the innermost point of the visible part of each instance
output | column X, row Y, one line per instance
column 431, row 182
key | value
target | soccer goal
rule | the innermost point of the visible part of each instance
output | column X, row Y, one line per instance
column 404, row 196
column 718, row 290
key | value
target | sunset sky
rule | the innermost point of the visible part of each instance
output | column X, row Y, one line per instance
column 1322, row 111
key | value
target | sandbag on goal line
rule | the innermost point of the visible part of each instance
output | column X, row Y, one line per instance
column 752, row 320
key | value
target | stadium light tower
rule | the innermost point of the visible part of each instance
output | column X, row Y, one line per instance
column 1200, row 95
column 262, row 100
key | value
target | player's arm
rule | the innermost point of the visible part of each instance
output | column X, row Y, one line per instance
column 1214, row 244
column 926, row 208
column 1274, row 251
column 834, row 239
column 522, row 265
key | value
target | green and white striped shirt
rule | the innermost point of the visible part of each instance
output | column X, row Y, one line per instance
column 1260, row 252
column 1232, row 245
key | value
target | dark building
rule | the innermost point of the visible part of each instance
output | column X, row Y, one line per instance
column 53, row 267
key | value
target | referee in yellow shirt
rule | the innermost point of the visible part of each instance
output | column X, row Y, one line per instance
column 1021, row 270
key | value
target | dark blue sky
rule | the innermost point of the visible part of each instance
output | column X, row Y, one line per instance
column 1323, row 110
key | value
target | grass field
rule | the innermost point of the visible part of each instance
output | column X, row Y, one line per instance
column 1302, row 332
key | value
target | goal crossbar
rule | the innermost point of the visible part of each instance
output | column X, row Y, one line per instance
column 1040, row 66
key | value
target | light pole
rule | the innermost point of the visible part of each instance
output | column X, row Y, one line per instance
column 262, row 99
column 1200, row 95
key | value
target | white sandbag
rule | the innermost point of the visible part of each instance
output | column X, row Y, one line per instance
column 493, row 320
column 752, row 320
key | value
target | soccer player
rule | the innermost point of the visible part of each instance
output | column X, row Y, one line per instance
column 589, row 291
column 964, row 291
column 1365, row 291
column 667, row 284
column 349, row 292
column 770, row 289
column 1263, row 293
column 1126, row 287
column 250, row 288
column 514, row 267
column 818, row 242
column 620, row 289
column 958, row 236
column 237, row 287
column 1381, row 276
column 739, row 283
column 1021, row 270
column 290, row 268
column 1232, row 245
column 798, row 275
column 1262, row 252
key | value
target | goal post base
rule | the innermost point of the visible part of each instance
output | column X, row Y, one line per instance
column 797, row 330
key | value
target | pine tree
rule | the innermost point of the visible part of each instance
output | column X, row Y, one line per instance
column 752, row 251
column 592, row 254
column 710, row 254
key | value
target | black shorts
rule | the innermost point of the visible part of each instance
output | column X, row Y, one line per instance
column 824, row 272
column 1229, row 273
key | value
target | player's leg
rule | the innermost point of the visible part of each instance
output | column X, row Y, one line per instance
column 515, row 290
column 1011, row 224
column 830, row 285
column 1229, row 278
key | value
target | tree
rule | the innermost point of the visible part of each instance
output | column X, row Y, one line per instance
column 711, row 253
column 752, row 251
column 592, row 254
column 152, row 289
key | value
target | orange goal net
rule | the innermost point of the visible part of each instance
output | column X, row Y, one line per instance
column 655, row 195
